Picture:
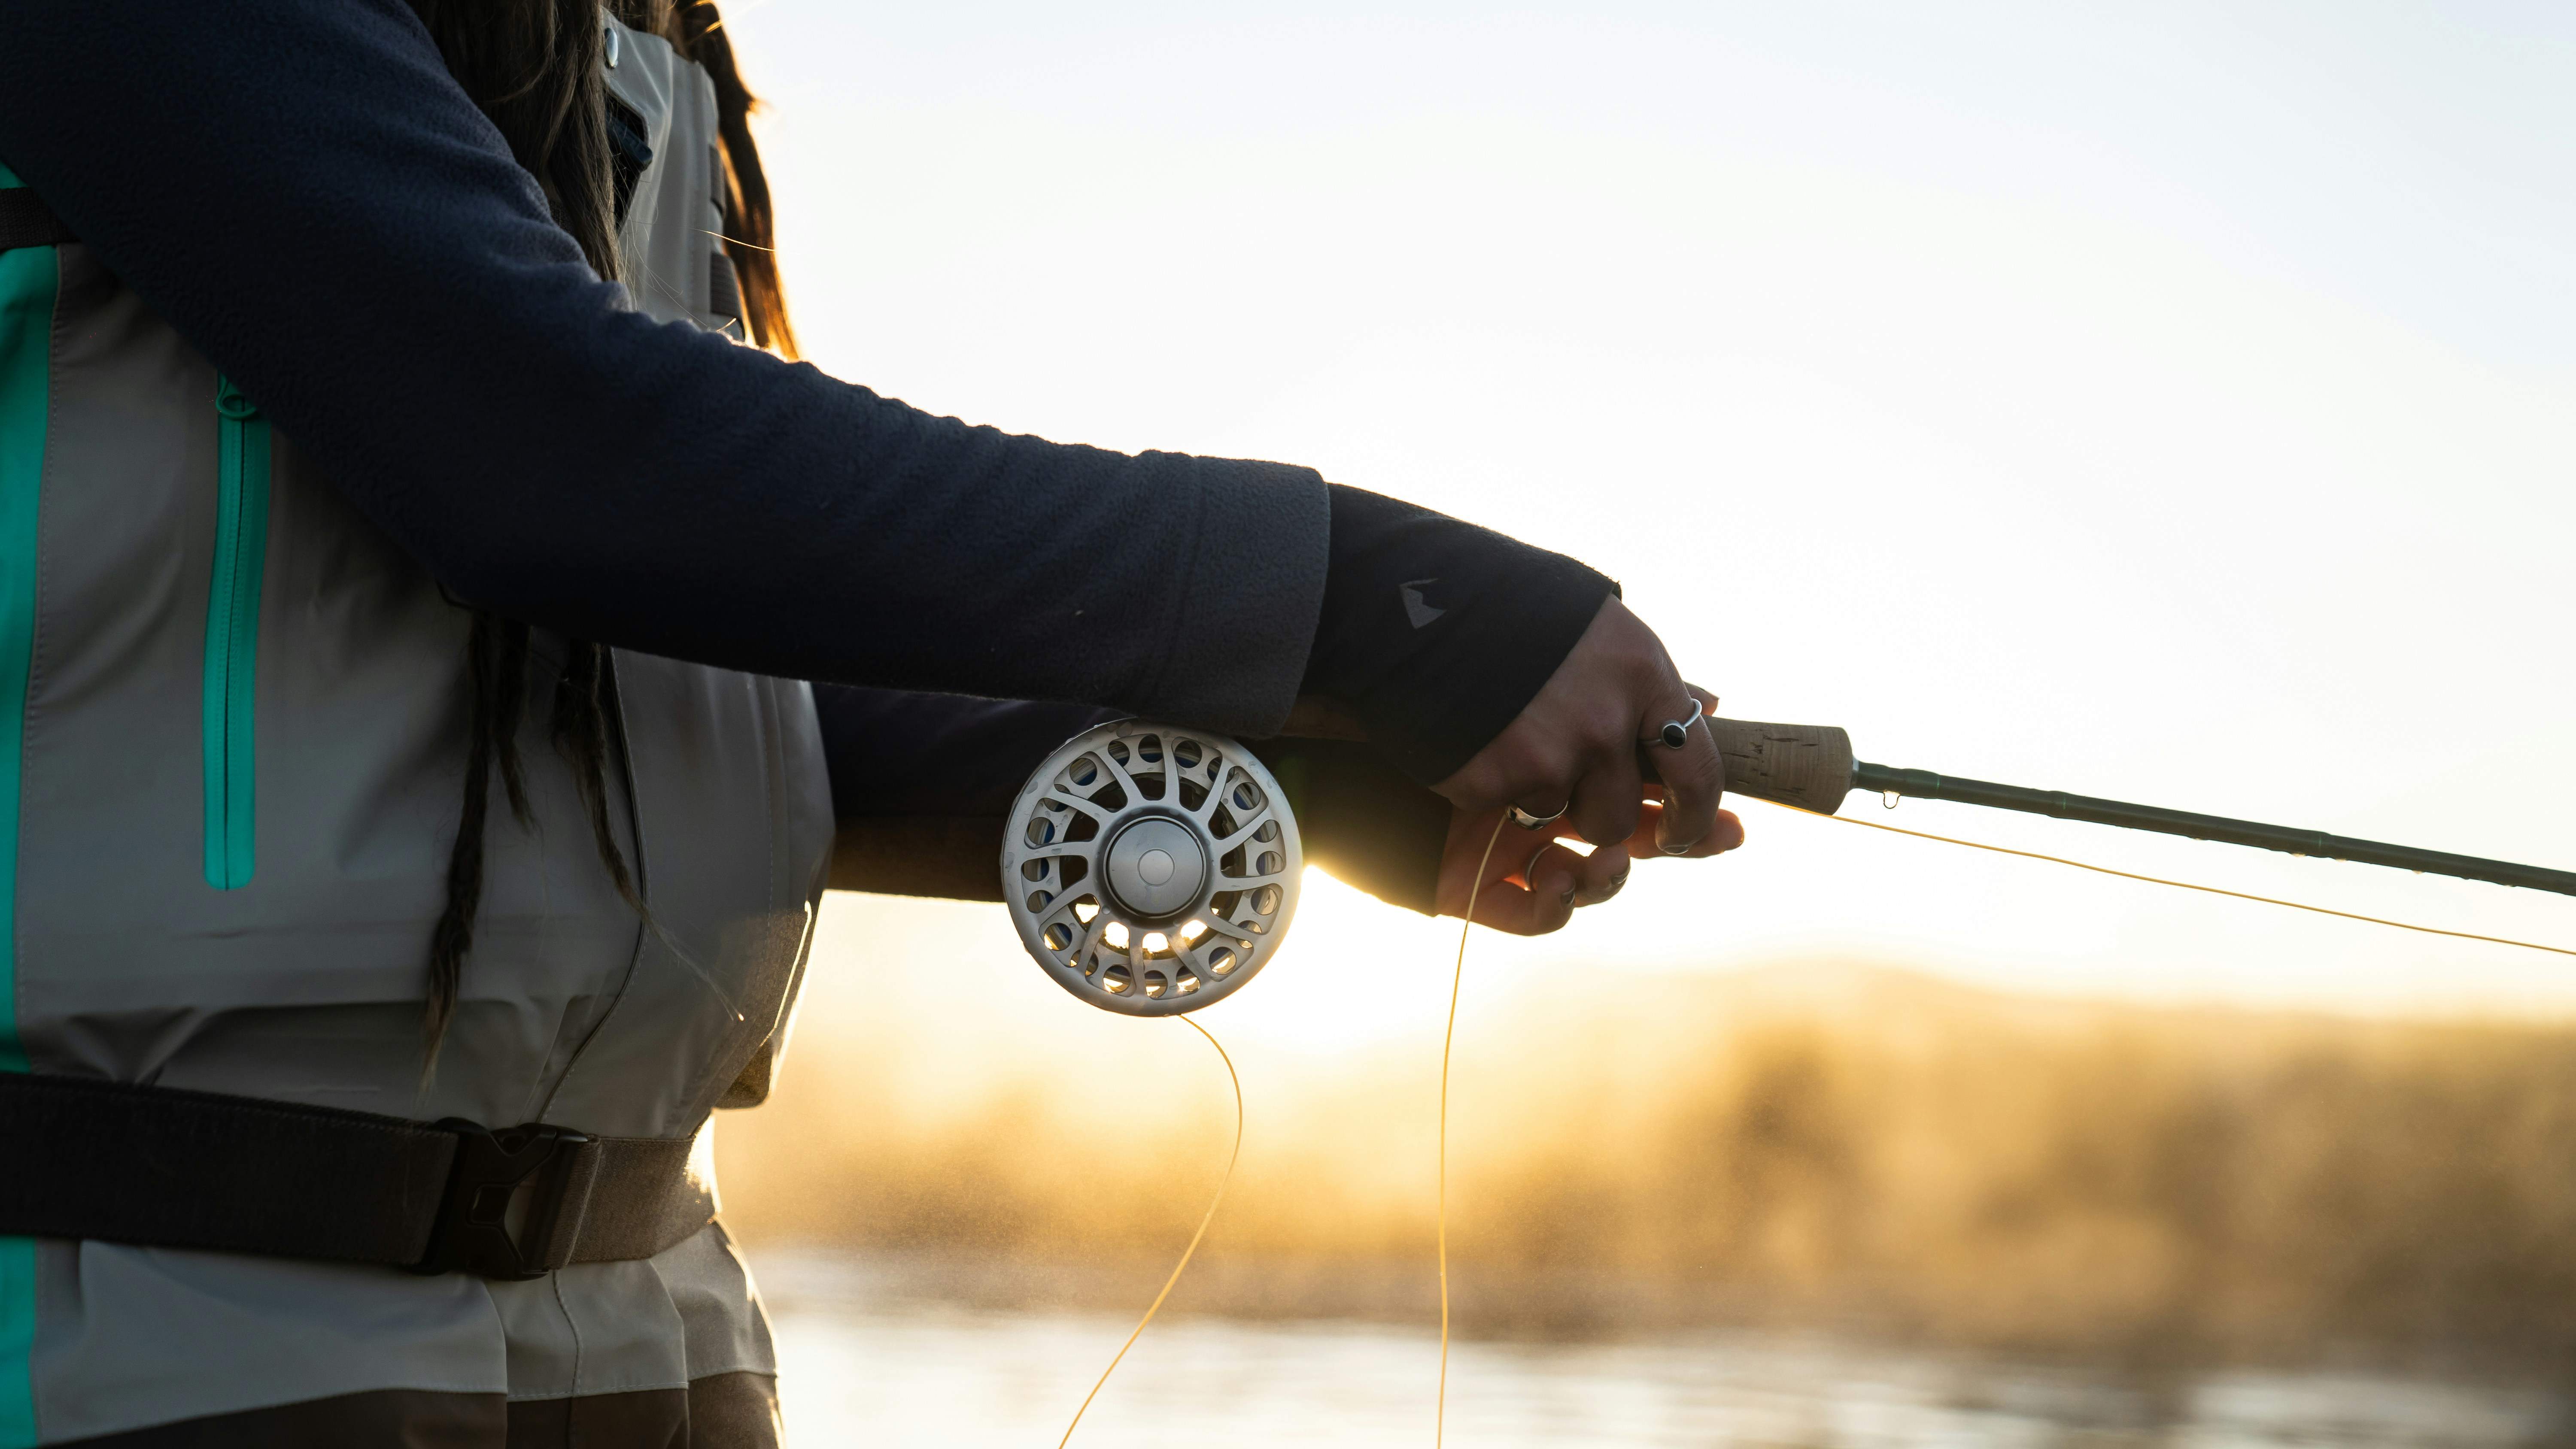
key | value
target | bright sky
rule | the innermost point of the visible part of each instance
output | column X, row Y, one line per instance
column 2174, row 402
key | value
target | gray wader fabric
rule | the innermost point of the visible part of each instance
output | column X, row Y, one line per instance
column 244, row 725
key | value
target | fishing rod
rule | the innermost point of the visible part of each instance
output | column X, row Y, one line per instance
column 1152, row 869
column 1811, row 767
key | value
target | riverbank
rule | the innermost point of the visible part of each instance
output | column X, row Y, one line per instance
column 1819, row 1146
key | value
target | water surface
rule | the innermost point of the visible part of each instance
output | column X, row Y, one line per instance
column 862, row 1366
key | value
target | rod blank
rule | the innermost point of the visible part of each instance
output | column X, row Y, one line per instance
column 1924, row 785
column 1812, row 766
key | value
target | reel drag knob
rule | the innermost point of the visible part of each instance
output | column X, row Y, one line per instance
column 1151, row 869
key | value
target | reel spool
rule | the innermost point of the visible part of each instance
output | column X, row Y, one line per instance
column 1151, row 869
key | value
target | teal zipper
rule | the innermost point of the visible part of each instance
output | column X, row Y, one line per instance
column 30, row 279
column 232, row 635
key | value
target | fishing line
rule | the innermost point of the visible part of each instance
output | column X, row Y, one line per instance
column 1448, row 1037
column 2183, row 884
column 1204, row 1219
column 1440, row 1215
column 1458, row 974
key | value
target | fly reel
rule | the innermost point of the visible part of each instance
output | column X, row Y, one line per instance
column 1151, row 869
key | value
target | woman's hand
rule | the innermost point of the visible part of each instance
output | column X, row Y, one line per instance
column 1575, row 748
column 1532, row 884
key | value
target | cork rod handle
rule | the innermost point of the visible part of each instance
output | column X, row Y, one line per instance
column 1808, row 766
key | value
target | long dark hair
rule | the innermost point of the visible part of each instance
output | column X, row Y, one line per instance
column 534, row 67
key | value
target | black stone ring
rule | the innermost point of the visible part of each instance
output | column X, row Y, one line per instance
column 1675, row 733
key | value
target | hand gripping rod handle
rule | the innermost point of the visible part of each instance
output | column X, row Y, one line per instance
column 1808, row 766
column 1811, row 767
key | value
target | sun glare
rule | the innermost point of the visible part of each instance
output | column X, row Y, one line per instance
column 1355, row 971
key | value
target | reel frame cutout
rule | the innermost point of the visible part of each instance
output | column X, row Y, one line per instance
column 1151, row 869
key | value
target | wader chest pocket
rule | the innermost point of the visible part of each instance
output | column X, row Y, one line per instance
column 232, row 635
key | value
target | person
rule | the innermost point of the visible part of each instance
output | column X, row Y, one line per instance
column 442, row 633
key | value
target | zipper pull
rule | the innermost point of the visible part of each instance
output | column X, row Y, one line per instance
column 230, row 401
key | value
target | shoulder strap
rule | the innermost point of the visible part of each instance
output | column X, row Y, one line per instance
column 26, row 221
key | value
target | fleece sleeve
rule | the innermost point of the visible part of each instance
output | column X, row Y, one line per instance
column 301, row 189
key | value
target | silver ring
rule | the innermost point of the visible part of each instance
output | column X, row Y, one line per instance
column 1527, row 821
column 1675, row 733
column 1529, row 870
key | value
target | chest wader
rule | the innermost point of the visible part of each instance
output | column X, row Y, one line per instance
column 233, row 721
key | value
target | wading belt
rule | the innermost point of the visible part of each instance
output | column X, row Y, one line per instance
column 158, row 1167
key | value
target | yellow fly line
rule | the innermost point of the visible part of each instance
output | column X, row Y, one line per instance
column 1204, row 1219
column 2183, row 884
column 1440, row 1214
column 1449, row 1033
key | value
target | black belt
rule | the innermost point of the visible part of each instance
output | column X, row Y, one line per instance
column 27, row 222
column 159, row 1167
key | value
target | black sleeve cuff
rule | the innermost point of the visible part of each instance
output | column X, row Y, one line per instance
column 1362, row 820
column 1438, row 632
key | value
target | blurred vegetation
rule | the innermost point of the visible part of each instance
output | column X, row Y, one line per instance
column 1822, row 1145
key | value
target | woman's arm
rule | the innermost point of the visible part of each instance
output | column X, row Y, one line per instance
column 921, row 783
column 302, row 191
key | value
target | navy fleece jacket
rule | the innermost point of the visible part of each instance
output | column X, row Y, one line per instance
column 300, row 188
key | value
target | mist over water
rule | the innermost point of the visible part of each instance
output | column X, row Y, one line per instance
column 1819, row 1203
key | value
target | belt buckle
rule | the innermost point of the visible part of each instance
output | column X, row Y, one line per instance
column 514, row 1202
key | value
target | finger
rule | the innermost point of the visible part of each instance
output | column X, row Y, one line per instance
column 1693, row 777
column 1573, row 877
column 1601, row 876
column 1725, row 835
column 1518, row 912
column 1519, row 874
column 1605, row 807
column 1527, row 870
column 1478, row 863
column 1537, row 895
column 1532, row 764
column 1554, row 872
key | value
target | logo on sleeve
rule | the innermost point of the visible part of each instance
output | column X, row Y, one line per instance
column 1414, row 608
